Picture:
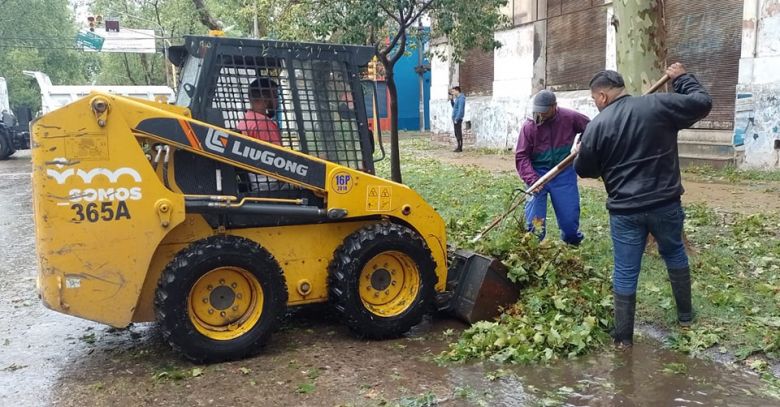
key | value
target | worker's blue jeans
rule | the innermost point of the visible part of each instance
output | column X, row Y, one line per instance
column 629, row 238
column 566, row 202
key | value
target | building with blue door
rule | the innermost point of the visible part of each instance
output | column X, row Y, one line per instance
column 408, row 84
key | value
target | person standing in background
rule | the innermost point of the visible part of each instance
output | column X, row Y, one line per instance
column 458, row 102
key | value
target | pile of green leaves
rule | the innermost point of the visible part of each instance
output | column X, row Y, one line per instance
column 564, row 310
column 735, row 266
column 565, row 307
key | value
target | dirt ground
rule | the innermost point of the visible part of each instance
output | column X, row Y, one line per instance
column 48, row 358
column 747, row 197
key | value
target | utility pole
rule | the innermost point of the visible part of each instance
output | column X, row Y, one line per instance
column 421, row 69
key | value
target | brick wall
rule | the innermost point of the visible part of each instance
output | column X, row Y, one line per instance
column 576, row 42
column 706, row 35
column 476, row 73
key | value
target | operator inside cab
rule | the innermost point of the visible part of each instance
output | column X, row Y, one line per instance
column 260, row 120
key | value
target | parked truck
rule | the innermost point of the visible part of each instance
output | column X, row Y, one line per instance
column 14, row 133
column 55, row 96
column 14, row 129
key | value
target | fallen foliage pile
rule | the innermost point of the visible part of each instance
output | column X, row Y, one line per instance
column 564, row 311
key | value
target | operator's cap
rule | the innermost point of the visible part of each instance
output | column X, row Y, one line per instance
column 542, row 101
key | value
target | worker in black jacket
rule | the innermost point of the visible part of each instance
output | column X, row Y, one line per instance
column 632, row 146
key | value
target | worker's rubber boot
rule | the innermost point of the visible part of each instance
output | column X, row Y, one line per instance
column 681, row 289
column 625, row 305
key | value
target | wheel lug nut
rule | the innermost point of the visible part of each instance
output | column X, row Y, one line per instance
column 211, row 311
column 234, row 285
column 221, row 281
column 205, row 300
column 235, row 308
column 239, row 296
column 209, row 287
column 222, row 314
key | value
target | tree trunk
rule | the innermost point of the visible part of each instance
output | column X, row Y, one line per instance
column 641, row 42
column 204, row 15
column 395, row 150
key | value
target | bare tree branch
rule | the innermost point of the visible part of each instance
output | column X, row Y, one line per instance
column 127, row 69
column 387, row 11
column 426, row 5
column 156, row 6
column 393, row 43
column 401, row 49
column 205, row 16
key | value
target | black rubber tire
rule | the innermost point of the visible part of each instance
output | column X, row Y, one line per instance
column 6, row 149
column 195, row 261
column 344, row 273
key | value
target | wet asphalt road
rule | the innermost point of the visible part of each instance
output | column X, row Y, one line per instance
column 34, row 342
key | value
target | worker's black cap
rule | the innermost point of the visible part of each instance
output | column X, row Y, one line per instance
column 543, row 101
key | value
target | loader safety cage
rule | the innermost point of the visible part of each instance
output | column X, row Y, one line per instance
column 318, row 96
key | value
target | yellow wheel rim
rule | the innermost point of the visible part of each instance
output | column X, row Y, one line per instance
column 225, row 303
column 389, row 283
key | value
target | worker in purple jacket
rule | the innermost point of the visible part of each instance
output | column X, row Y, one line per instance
column 544, row 142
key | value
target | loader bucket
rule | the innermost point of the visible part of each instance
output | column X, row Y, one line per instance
column 479, row 287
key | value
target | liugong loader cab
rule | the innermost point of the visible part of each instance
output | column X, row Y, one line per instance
column 153, row 212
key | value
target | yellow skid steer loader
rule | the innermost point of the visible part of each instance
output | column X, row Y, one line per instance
column 253, row 193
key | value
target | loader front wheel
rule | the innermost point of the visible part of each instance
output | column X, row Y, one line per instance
column 381, row 280
column 220, row 299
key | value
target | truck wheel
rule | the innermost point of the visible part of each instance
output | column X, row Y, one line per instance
column 6, row 149
column 220, row 298
column 381, row 280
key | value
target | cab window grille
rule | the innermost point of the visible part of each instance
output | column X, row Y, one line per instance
column 307, row 105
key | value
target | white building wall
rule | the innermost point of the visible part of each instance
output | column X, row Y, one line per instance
column 495, row 120
column 757, row 116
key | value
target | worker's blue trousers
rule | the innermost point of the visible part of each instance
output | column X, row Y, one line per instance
column 566, row 202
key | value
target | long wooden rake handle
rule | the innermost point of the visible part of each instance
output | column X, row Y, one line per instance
column 551, row 174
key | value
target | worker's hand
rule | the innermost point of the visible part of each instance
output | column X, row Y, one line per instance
column 675, row 70
column 575, row 147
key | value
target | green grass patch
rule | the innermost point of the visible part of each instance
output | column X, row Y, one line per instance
column 731, row 174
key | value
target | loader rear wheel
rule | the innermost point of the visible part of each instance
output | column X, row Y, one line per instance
column 381, row 280
column 220, row 299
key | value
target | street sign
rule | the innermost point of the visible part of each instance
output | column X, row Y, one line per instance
column 89, row 40
column 127, row 40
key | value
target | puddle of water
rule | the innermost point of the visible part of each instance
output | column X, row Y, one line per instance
column 644, row 376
